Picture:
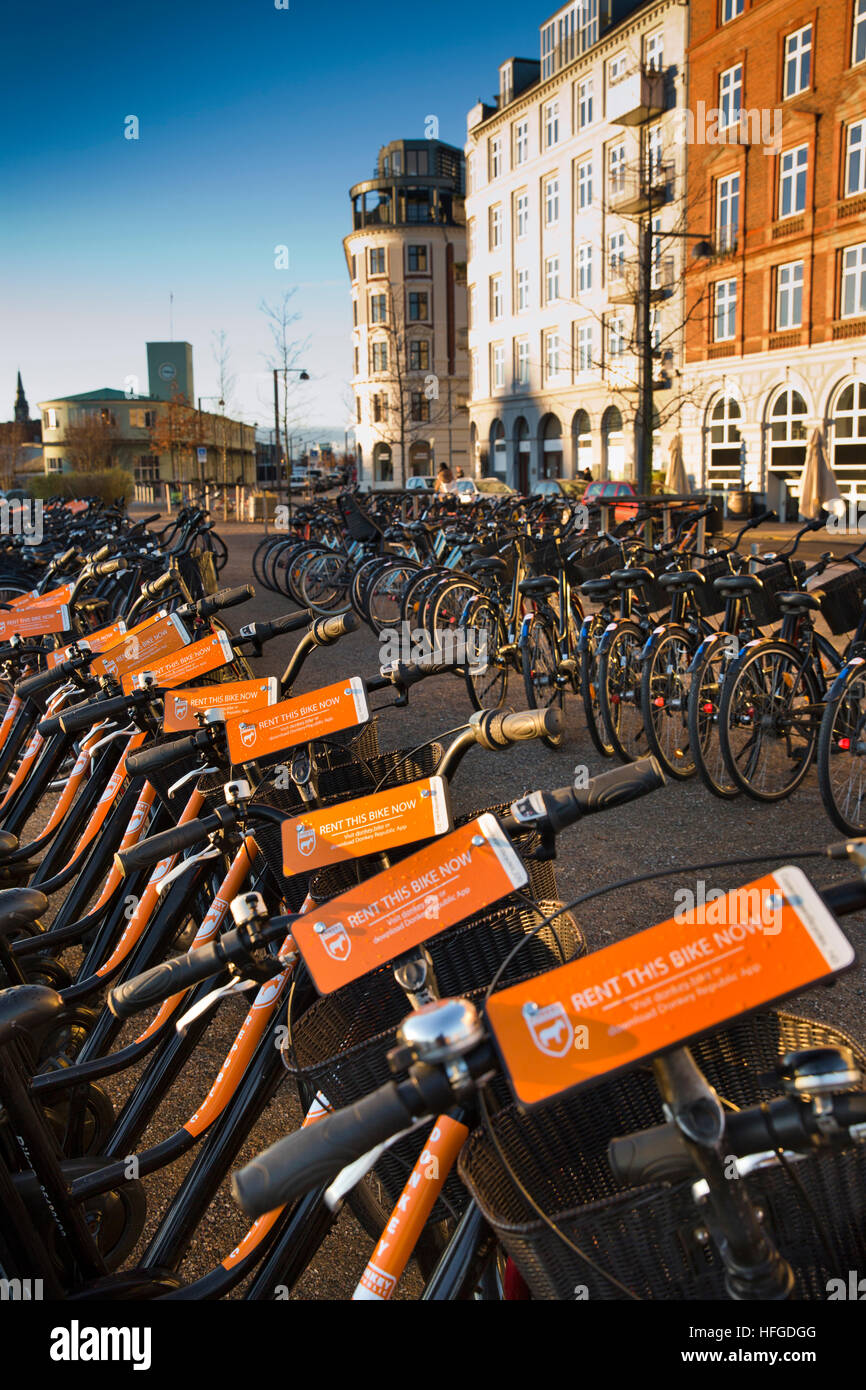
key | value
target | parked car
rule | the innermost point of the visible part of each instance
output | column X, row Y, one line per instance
column 560, row 487
column 298, row 482
column 419, row 483
column 611, row 491
column 470, row 489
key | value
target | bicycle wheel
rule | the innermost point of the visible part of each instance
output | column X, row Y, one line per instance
column 539, row 658
column 841, row 749
column 767, row 721
column 705, row 696
column 665, row 682
column 589, row 686
column 487, row 677
column 442, row 613
column 324, row 584
column 385, row 594
column 619, row 678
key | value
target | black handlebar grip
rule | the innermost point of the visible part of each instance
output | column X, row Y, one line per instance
column 327, row 630
column 31, row 685
column 503, row 729
column 148, row 760
column 164, row 980
column 620, row 784
column 224, row 598
column 162, row 846
column 844, row 898
column 409, row 673
column 263, row 632
column 651, row 1155
column 80, row 717
column 316, row 1155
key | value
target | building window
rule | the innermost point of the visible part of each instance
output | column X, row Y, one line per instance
column 473, row 372
column 354, row 267
column 49, row 418
column 358, row 415
column 724, row 310
column 615, row 338
column 355, row 312
column 470, row 173
column 730, row 96
column 495, row 226
column 855, row 159
column 616, row 254
column 616, row 169
column 584, row 103
column 357, row 362
column 858, row 42
column 419, row 355
column 853, row 300
column 789, row 296
column 584, row 347
column 616, row 69
column 380, row 357
column 653, row 51
column 584, row 185
column 416, row 162
column 495, row 297
column 494, row 156
column 419, row 310
column 727, row 212
column 419, row 406
column 793, row 167
column 787, row 421
column 417, row 259
column 655, row 329
column 551, row 202
column 730, row 9
column 146, row 468
column 521, row 142
column 522, row 289
column 521, row 362
column 55, row 465
column 522, row 214
column 551, row 355
column 725, row 437
column 497, row 366
column 378, row 308
column 142, row 419
column 849, row 425
column 376, row 259
column 551, row 124
column 798, row 62
column 551, row 279
column 584, row 268
column 380, row 409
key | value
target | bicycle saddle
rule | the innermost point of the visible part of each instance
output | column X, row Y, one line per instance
column 8, row 843
column 487, row 564
column 738, row 584
column 797, row 601
column 633, row 578
column 26, row 1007
column 682, row 579
column 598, row 588
column 20, row 905
column 540, row 586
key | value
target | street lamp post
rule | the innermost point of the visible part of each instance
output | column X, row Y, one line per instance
column 303, row 375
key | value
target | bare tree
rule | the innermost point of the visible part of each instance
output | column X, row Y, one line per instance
column 176, row 432
column 13, row 436
column 284, row 358
column 92, row 442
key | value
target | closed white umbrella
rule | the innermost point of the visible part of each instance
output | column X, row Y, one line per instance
column 818, row 490
column 676, row 478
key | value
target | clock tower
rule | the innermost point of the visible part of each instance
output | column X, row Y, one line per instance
column 169, row 371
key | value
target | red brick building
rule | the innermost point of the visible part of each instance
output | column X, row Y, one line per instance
column 776, row 334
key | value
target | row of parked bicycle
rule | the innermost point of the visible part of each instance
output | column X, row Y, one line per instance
column 711, row 661
column 519, row 1117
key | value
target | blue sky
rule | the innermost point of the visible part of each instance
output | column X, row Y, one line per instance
column 254, row 122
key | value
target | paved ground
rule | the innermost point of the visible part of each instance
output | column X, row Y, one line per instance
column 679, row 826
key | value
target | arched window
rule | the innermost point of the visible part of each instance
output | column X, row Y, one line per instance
column 420, row 459
column 551, row 447
column 497, row 448
column 614, row 443
column 383, row 464
column 723, row 453
column 582, row 436
column 849, row 431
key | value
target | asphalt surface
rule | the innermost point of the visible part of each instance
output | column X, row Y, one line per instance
column 678, row 829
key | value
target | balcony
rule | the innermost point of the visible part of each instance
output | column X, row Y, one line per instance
column 622, row 282
column 640, row 191
column 636, row 98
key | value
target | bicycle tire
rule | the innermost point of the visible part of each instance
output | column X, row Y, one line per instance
column 840, row 750
column 757, row 697
column 664, row 700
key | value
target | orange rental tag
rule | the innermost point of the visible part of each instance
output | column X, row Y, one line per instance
column 398, row 816
column 184, row 665
column 94, row 642
column 232, row 698
column 35, row 622
column 34, row 599
column 434, row 889
column 148, row 641
column 630, row 1001
column 326, row 711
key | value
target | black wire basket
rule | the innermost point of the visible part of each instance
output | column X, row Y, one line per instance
column 708, row 599
column 775, row 580
column 651, row 1238
column 339, row 1045
column 842, row 600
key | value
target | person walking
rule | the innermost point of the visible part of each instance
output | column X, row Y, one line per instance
column 445, row 479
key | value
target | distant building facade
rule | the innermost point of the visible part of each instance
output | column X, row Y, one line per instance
column 406, row 256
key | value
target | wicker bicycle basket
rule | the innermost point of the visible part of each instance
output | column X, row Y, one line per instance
column 842, row 600
column 340, row 1044
column 651, row 1238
